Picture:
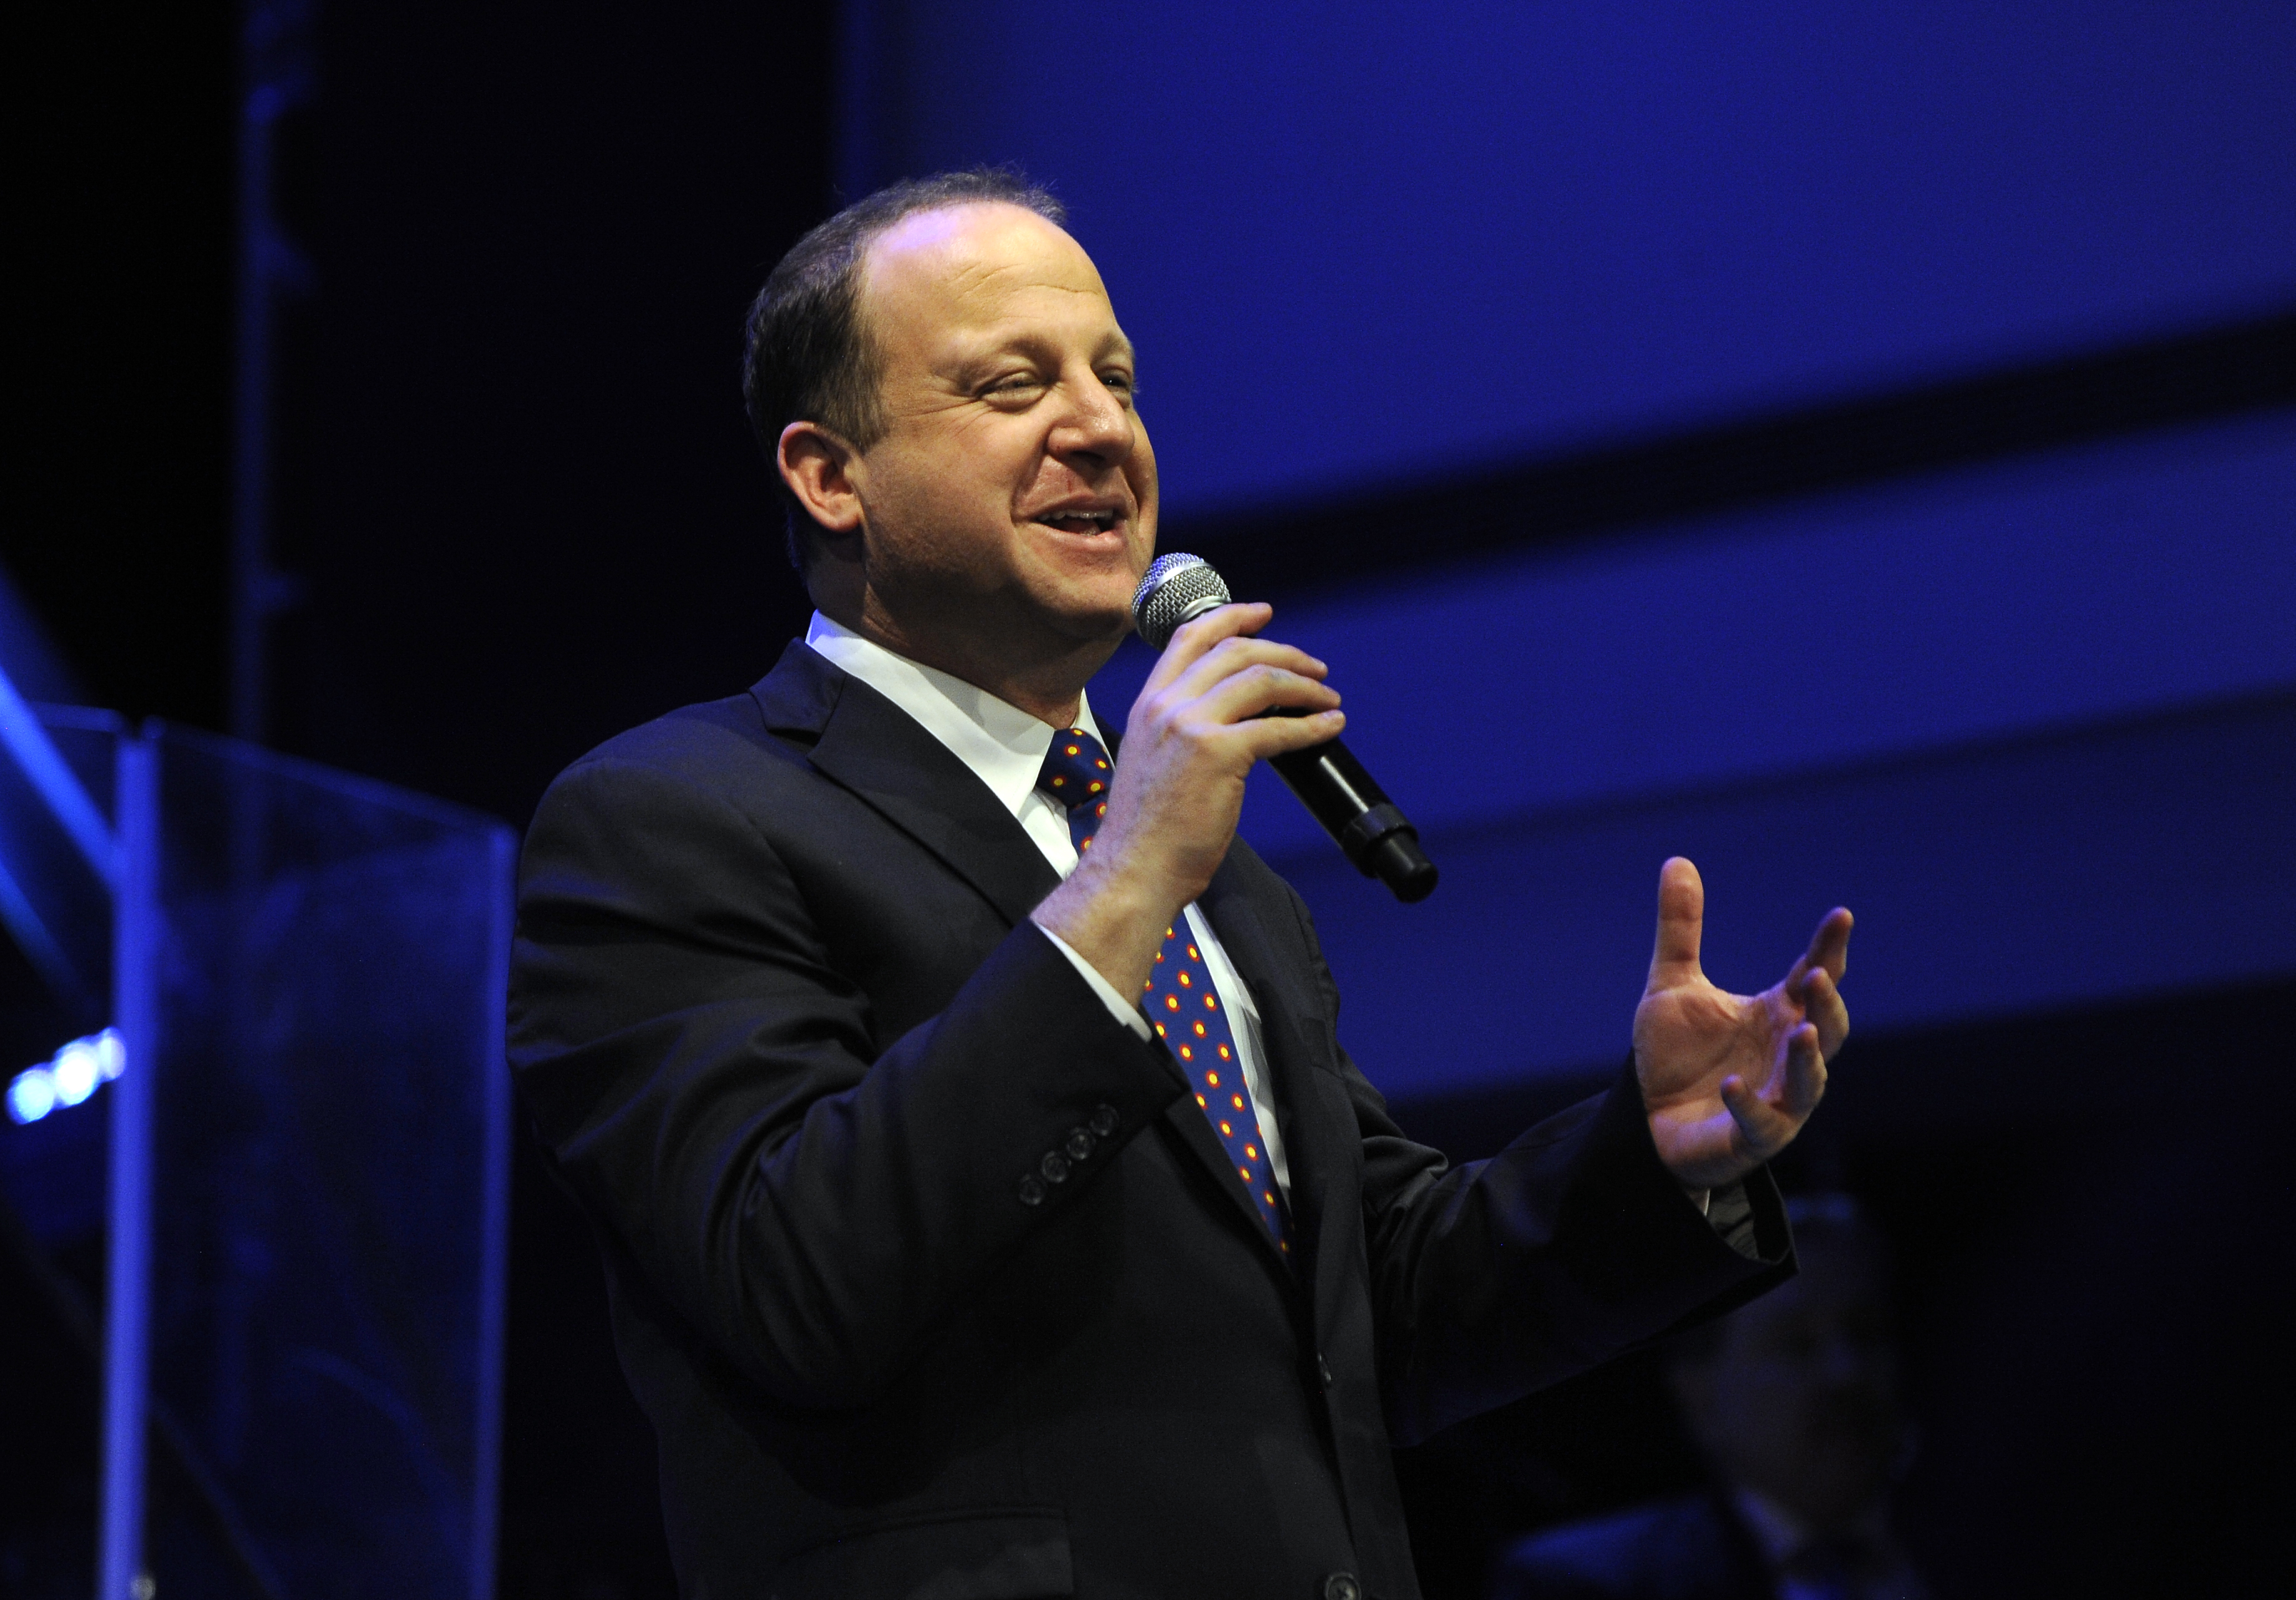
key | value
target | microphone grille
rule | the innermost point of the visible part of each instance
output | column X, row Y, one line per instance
column 1177, row 587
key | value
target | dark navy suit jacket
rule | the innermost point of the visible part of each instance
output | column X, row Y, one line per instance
column 779, row 1014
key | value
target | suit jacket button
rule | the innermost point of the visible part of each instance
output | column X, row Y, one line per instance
column 1324, row 1369
column 1055, row 1168
column 1032, row 1191
column 1343, row 1585
column 1078, row 1143
column 1104, row 1121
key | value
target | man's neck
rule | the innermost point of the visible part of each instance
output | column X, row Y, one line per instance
column 1047, row 683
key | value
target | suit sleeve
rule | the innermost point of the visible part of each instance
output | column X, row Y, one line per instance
column 1571, row 1246
column 709, row 1085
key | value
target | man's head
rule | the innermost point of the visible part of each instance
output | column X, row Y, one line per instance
column 1795, row 1396
column 940, row 379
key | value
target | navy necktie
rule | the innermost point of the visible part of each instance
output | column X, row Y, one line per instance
column 1181, row 1003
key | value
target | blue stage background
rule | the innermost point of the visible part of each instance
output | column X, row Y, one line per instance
column 1854, row 447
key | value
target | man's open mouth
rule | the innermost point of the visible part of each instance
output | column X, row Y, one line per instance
column 1082, row 521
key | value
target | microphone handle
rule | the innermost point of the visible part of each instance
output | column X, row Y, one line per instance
column 1370, row 830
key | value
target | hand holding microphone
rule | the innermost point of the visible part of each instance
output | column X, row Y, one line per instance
column 1197, row 729
column 1218, row 700
column 1370, row 830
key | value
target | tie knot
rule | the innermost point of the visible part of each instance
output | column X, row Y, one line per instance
column 1076, row 769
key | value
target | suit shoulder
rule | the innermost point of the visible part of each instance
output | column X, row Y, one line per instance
column 738, row 741
column 710, row 771
column 670, row 824
column 704, row 744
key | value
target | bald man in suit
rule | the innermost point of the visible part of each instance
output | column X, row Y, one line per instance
column 937, row 1268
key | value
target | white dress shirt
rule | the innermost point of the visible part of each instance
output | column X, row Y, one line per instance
column 1005, row 747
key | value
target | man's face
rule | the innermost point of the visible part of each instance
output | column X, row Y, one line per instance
column 1010, row 507
column 1801, row 1400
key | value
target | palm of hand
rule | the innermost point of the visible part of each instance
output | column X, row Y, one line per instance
column 1727, row 1080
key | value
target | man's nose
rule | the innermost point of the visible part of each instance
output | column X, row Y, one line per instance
column 1095, row 423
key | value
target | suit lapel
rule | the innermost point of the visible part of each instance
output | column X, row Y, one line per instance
column 881, row 754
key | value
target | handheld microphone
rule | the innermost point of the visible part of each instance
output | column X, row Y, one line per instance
column 1329, row 780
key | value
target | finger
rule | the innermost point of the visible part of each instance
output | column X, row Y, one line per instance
column 1197, row 637
column 1822, row 1004
column 1805, row 1075
column 1828, row 952
column 1681, row 918
column 1759, row 1125
column 1829, row 946
column 1769, row 1126
column 1267, row 736
column 1260, row 688
column 1232, row 657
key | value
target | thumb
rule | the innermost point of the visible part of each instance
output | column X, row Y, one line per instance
column 1681, row 918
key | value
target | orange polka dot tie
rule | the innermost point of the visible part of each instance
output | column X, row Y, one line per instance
column 1181, row 1003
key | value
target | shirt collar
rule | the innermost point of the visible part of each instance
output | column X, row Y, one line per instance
column 1781, row 1535
column 1004, row 745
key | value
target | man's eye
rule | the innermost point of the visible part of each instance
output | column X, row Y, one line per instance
column 1123, row 383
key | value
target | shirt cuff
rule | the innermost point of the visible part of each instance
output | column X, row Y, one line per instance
column 1119, row 1008
column 1730, row 1214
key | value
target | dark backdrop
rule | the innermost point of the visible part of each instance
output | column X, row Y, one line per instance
column 515, row 481
column 116, row 469
column 529, row 511
column 524, row 495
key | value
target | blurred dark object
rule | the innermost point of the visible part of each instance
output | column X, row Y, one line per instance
column 1794, row 1401
column 1693, row 1548
column 2085, row 1218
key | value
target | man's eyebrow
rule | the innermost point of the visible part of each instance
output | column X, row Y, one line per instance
column 974, row 364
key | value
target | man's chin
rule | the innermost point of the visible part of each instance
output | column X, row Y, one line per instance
column 1096, row 629
column 1092, row 613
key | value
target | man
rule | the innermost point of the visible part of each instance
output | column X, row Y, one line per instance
column 1794, row 1399
column 939, row 1270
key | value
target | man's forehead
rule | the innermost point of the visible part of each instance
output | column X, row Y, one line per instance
column 961, row 223
column 978, row 263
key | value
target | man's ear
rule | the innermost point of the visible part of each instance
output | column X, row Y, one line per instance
column 817, row 466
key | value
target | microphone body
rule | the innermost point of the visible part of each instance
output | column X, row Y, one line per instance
column 1338, row 792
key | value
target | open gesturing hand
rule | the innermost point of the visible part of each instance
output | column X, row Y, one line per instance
column 1728, row 1079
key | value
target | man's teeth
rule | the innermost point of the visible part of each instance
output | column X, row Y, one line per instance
column 1097, row 519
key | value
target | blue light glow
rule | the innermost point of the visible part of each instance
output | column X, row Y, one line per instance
column 74, row 1070
column 31, row 1096
column 67, row 1078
